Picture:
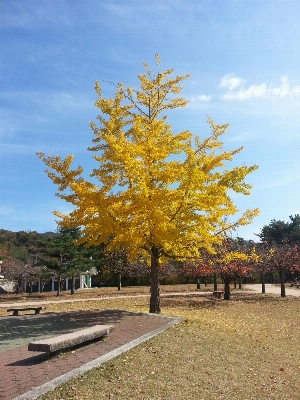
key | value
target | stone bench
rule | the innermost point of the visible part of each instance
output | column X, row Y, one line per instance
column 35, row 309
column 218, row 293
column 68, row 340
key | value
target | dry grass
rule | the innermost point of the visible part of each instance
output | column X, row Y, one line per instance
column 88, row 294
column 247, row 348
column 95, row 292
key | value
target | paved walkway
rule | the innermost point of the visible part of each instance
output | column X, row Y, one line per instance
column 27, row 375
column 272, row 289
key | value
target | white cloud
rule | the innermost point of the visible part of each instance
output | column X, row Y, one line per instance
column 296, row 90
column 204, row 97
column 231, row 82
column 244, row 94
column 283, row 90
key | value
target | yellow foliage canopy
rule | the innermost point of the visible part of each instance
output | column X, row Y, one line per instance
column 156, row 189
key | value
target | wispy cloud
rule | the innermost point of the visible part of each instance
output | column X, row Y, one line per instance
column 285, row 179
column 231, row 82
column 204, row 97
column 36, row 109
column 262, row 90
column 15, row 15
column 283, row 90
column 46, row 99
column 244, row 94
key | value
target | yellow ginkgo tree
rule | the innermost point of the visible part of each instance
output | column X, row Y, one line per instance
column 153, row 191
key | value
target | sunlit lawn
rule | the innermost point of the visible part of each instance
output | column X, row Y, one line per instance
column 95, row 292
column 247, row 348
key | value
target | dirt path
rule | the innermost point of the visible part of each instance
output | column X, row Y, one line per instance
column 39, row 302
column 272, row 289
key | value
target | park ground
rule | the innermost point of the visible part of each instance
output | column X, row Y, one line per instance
column 245, row 348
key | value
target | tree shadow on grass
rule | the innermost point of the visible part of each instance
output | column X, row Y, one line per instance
column 211, row 302
column 189, row 301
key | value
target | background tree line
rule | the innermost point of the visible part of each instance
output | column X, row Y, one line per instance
column 32, row 256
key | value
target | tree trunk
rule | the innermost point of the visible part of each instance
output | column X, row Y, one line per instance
column 72, row 285
column 234, row 283
column 282, row 283
column 198, row 284
column 226, row 289
column 17, row 288
column 240, row 282
column 58, row 286
column 30, row 287
column 215, row 282
column 205, row 281
column 155, row 289
column 263, row 286
column 119, row 281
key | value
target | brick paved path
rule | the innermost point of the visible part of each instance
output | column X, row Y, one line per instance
column 21, row 371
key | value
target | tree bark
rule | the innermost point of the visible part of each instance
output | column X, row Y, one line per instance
column 58, row 286
column 119, row 281
column 30, row 287
column 154, row 279
column 282, row 283
column 72, row 285
column 226, row 289
column 215, row 282
column 240, row 282
column 198, row 284
column 263, row 286
column 234, row 283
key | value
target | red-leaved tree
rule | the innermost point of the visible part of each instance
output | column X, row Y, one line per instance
column 283, row 258
column 231, row 261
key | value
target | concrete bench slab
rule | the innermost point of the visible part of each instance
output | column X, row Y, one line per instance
column 218, row 293
column 68, row 340
column 17, row 309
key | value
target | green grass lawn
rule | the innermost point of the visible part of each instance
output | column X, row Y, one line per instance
column 246, row 348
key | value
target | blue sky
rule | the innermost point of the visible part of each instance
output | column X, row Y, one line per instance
column 243, row 57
